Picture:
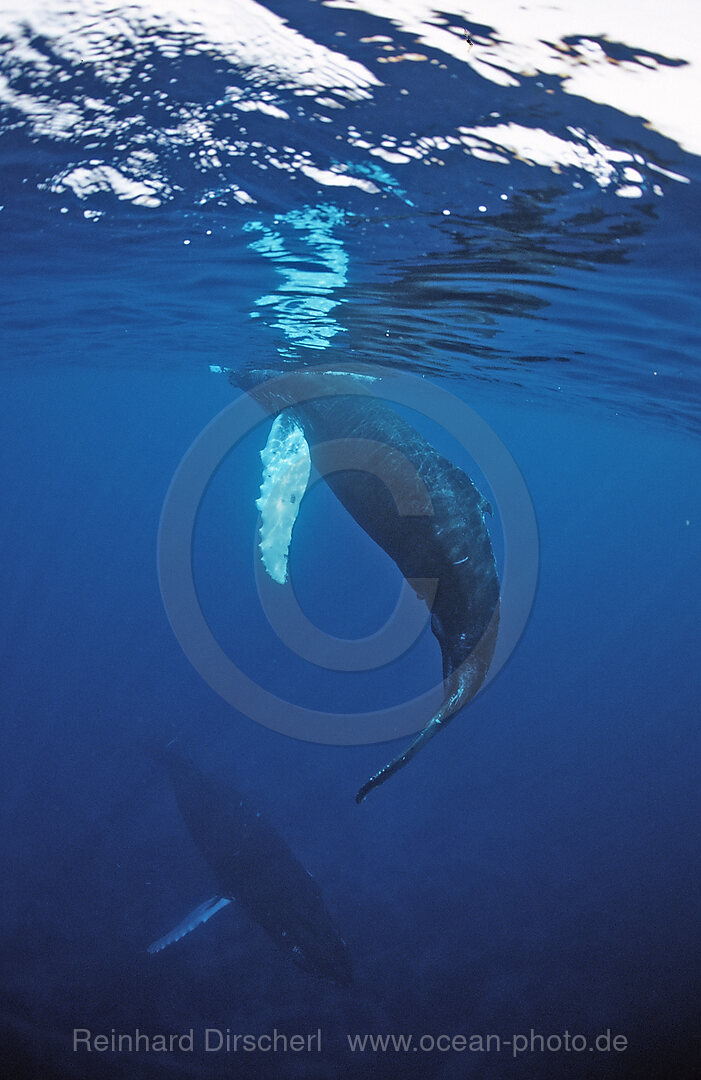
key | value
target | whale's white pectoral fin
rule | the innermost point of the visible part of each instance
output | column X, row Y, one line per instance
column 195, row 918
column 286, row 467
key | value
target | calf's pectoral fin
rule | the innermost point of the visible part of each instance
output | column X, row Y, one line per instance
column 195, row 918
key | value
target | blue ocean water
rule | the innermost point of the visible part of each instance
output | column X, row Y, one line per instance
column 313, row 183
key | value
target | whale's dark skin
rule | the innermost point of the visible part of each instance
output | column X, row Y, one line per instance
column 432, row 523
column 253, row 865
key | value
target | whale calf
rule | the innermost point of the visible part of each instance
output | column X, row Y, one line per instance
column 430, row 520
column 253, row 865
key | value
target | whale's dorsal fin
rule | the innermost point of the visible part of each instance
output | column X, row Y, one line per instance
column 286, row 467
column 195, row 918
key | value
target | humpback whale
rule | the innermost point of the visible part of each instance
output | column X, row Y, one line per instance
column 253, row 865
column 430, row 520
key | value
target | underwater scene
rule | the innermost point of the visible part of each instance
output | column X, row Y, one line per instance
column 351, row 538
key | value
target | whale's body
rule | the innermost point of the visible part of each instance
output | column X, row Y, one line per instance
column 253, row 865
column 420, row 508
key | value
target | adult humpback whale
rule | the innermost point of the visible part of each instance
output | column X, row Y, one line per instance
column 430, row 519
column 253, row 865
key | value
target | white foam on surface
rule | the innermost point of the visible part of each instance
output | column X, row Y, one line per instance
column 532, row 38
column 244, row 32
